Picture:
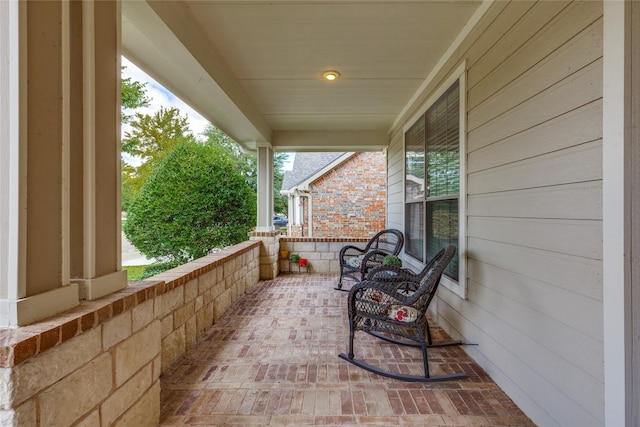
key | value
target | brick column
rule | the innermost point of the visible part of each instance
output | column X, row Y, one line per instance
column 268, row 253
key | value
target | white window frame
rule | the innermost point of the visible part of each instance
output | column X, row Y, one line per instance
column 459, row 287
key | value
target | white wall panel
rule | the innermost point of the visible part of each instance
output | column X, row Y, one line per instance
column 572, row 237
column 570, row 201
column 556, row 304
column 576, row 164
column 571, row 93
column 534, row 218
column 515, row 60
column 579, row 52
column 580, row 275
column 575, row 127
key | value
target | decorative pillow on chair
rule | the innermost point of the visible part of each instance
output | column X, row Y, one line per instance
column 402, row 313
column 374, row 302
column 380, row 297
column 355, row 262
column 372, row 263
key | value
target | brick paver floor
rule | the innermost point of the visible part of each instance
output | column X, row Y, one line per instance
column 272, row 360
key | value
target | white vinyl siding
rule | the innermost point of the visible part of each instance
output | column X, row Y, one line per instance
column 395, row 183
column 635, row 219
column 534, row 206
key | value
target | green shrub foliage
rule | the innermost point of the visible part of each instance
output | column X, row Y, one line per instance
column 392, row 260
column 196, row 200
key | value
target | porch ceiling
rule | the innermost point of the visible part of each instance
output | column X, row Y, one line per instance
column 253, row 68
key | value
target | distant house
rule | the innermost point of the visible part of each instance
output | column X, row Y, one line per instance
column 336, row 194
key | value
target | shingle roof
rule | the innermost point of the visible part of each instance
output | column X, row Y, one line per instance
column 305, row 165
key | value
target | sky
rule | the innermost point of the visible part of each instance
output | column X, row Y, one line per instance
column 161, row 97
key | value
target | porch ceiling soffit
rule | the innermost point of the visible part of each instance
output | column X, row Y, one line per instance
column 155, row 37
column 252, row 68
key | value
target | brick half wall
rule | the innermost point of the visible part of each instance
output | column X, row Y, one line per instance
column 99, row 364
column 321, row 253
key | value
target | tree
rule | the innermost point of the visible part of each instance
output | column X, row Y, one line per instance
column 245, row 162
column 280, row 202
column 195, row 201
column 133, row 95
column 248, row 165
column 150, row 140
column 126, row 194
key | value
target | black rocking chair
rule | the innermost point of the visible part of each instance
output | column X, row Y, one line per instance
column 355, row 261
column 392, row 303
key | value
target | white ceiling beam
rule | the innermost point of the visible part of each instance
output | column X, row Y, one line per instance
column 361, row 140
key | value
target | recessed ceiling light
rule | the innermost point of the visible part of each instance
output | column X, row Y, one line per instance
column 330, row 75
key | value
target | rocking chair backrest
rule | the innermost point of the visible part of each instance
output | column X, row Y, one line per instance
column 390, row 241
column 432, row 273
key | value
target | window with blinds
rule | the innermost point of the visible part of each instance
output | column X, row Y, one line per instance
column 415, row 189
column 432, row 180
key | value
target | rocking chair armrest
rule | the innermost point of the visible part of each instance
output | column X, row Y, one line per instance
column 350, row 248
column 375, row 256
column 391, row 289
column 391, row 273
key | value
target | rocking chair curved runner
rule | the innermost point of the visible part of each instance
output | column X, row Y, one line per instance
column 355, row 261
column 392, row 305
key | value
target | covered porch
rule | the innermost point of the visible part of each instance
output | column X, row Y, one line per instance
column 546, row 207
column 209, row 343
column 271, row 360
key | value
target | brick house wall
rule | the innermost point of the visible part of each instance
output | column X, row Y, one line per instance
column 350, row 200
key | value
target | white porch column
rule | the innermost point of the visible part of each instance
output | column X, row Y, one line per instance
column 34, row 49
column 290, row 209
column 299, row 211
column 265, row 231
column 59, row 125
column 12, row 163
column 265, row 188
column 617, row 124
column 95, row 187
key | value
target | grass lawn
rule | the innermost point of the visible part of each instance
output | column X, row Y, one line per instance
column 135, row 271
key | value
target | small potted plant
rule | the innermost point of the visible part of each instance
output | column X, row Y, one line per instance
column 392, row 260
